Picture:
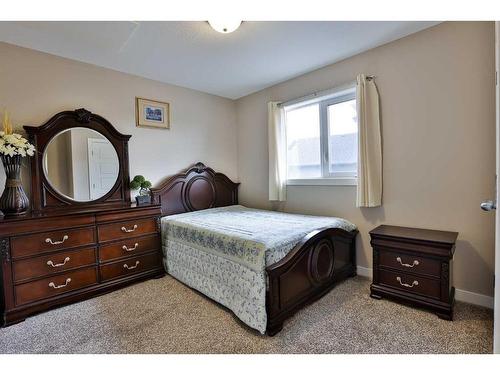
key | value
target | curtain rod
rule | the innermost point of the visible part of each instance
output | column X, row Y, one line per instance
column 342, row 87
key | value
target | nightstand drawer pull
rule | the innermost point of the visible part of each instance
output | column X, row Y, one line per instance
column 49, row 240
column 414, row 283
column 131, row 267
column 415, row 263
column 52, row 285
column 129, row 230
column 130, row 248
column 51, row 263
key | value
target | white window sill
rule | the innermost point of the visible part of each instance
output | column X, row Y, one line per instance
column 337, row 181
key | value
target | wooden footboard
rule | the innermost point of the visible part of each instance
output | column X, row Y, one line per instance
column 312, row 268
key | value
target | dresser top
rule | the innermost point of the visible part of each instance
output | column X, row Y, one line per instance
column 54, row 220
column 77, row 211
column 415, row 234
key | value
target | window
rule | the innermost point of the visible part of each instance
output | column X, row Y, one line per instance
column 322, row 140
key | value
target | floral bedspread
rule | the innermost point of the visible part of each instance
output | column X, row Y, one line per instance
column 223, row 252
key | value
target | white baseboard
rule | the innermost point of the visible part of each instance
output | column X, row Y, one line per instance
column 474, row 298
column 460, row 295
column 363, row 271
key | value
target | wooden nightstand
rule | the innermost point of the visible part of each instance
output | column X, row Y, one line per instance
column 414, row 266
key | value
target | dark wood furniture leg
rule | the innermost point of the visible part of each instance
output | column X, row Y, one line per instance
column 375, row 296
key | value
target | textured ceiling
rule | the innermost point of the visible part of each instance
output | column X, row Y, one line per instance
column 193, row 55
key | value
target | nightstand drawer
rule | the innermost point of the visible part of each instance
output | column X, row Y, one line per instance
column 410, row 283
column 410, row 263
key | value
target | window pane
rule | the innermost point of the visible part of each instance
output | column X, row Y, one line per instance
column 343, row 137
column 303, row 147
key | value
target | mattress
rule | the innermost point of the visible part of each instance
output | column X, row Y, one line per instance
column 223, row 252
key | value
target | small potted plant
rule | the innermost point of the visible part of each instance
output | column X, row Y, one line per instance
column 143, row 185
column 13, row 148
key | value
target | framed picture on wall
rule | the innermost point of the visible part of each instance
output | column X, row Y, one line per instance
column 152, row 113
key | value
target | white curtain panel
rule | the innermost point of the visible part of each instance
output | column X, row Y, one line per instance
column 277, row 152
column 369, row 189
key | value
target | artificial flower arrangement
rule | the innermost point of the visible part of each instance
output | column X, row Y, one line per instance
column 13, row 148
column 12, row 144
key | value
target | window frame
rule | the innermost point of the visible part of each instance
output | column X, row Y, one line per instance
column 327, row 177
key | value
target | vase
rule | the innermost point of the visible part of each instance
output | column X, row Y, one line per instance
column 13, row 200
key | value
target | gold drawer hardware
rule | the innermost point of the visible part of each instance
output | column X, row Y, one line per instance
column 51, row 263
column 49, row 240
column 52, row 285
column 414, row 283
column 131, row 267
column 415, row 263
column 130, row 248
column 129, row 230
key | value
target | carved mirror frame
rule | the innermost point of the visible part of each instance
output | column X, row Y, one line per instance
column 44, row 197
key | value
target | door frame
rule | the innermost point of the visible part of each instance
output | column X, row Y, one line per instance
column 496, row 329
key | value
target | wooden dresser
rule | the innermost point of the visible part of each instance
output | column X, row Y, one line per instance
column 414, row 266
column 52, row 260
column 83, row 236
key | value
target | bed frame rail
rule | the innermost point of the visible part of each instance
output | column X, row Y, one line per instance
column 311, row 269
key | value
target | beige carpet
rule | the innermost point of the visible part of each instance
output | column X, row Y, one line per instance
column 164, row 316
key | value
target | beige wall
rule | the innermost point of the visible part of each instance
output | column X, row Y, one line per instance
column 34, row 86
column 438, row 118
column 437, row 97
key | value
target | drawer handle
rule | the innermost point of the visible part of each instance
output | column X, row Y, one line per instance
column 51, row 263
column 130, row 248
column 129, row 230
column 415, row 263
column 52, row 285
column 414, row 283
column 49, row 240
column 131, row 267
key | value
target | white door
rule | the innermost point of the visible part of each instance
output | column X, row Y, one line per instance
column 103, row 167
column 496, row 334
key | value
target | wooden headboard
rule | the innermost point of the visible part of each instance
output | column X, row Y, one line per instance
column 197, row 188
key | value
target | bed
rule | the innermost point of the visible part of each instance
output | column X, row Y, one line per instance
column 262, row 265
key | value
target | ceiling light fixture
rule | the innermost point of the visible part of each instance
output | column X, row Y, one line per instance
column 225, row 27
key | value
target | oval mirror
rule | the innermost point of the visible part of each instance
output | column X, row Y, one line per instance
column 81, row 164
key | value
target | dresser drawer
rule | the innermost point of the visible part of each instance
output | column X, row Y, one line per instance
column 53, row 263
column 137, row 212
column 126, row 229
column 129, row 247
column 130, row 266
column 35, row 244
column 410, row 283
column 410, row 263
column 55, row 285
